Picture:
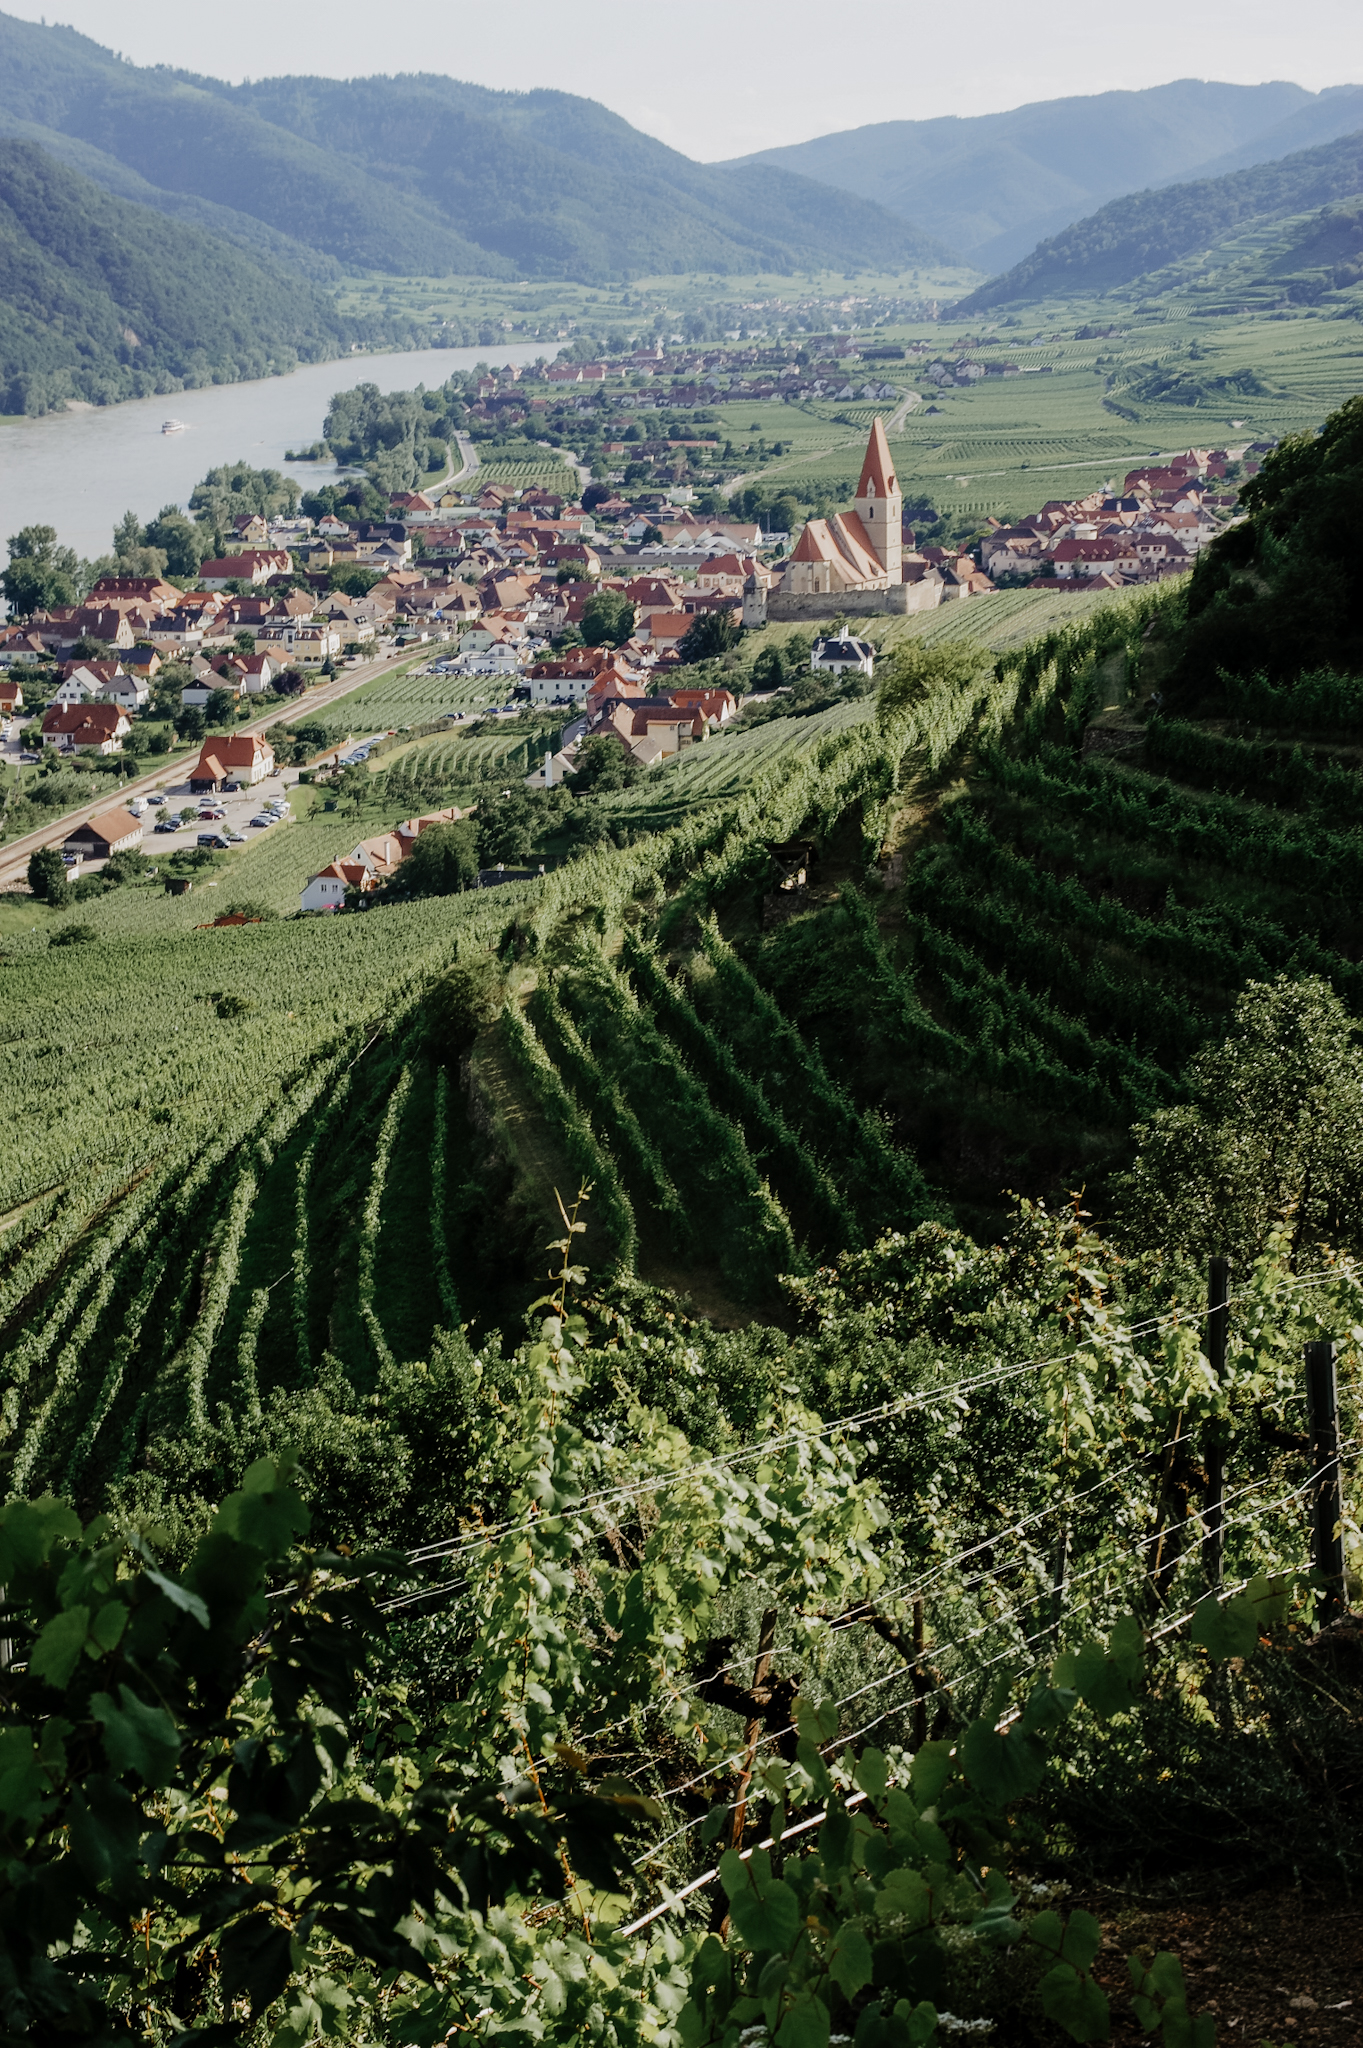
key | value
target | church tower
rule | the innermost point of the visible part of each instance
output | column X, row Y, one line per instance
column 880, row 504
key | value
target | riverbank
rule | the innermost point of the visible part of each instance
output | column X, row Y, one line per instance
column 81, row 471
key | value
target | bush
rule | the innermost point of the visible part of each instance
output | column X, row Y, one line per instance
column 73, row 935
column 128, row 866
column 249, row 908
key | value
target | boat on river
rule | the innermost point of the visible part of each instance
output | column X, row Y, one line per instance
column 175, row 426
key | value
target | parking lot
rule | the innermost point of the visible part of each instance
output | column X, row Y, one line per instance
column 238, row 808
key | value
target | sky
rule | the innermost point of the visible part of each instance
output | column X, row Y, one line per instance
column 716, row 79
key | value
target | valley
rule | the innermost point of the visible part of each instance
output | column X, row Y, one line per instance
column 681, row 1228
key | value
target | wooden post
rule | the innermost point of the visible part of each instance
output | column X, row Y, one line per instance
column 1213, row 1505
column 920, row 1679
column 1059, row 1572
column 766, row 1636
column 1327, row 1494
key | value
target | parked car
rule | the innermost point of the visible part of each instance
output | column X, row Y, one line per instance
column 280, row 808
column 264, row 818
column 167, row 825
column 235, row 838
column 71, row 860
column 30, row 760
column 216, row 839
column 212, row 811
column 232, row 788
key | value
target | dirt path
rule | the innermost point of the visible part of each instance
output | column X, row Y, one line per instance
column 1270, row 1967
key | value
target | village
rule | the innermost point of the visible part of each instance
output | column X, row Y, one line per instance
column 597, row 608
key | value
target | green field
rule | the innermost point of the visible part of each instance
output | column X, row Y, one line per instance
column 403, row 698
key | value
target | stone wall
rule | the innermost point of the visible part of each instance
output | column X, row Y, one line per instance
column 853, row 604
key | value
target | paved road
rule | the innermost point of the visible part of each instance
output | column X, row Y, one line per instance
column 471, row 461
column 170, row 770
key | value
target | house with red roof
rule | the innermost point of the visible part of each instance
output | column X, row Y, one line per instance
column 232, row 757
column 253, row 565
column 86, row 728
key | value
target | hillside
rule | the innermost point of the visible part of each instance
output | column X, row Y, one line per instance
column 396, row 174
column 883, row 1474
column 1148, row 230
column 102, row 300
column 993, row 185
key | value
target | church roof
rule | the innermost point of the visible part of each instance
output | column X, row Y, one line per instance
column 843, row 541
column 877, row 471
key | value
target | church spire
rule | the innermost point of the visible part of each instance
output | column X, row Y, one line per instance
column 877, row 471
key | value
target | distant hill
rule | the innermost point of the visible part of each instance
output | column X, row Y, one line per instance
column 992, row 185
column 102, row 300
column 1335, row 112
column 1148, row 230
column 425, row 175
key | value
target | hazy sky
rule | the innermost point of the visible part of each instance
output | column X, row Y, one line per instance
column 718, row 79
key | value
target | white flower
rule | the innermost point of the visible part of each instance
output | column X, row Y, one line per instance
column 949, row 2023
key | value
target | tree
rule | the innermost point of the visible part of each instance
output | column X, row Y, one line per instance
column 352, row 582
column 506, row 829
column 47, row 877
column 40, row 574
column 249, row 907
column 128, row 535
column 443, row 861
column 607, row 619
column 604, row 764
column 221, row 707
column 244, row 641
column 709, row 634
column 353, row 787
column 769, row 670
column 594, row 495
column 183, row 543
column 190, row 724
column 1274, row 1130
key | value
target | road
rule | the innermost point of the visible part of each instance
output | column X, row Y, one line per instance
column 170, row 770
column 471, row 461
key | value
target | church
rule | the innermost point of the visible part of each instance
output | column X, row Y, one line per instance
column 858, row 550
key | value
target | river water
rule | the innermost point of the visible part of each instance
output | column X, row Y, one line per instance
column 81, row 471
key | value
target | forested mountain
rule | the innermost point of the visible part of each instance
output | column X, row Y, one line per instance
column 993, row 184
column 101, row 300
column 427, row 175
column 1147, row 230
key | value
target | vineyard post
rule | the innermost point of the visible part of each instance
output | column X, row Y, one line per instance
column 920, row 1679
column 1059, row 1573
column 766, row 1637
column 1327, row 1501
column 1218, row 1322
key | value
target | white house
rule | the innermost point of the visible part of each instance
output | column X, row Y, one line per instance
column 324, row 891
column 130, row 692
column 571, row 689
column 843, row 657
column 82, row 686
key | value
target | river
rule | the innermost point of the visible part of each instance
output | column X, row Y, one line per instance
column 81, row 471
